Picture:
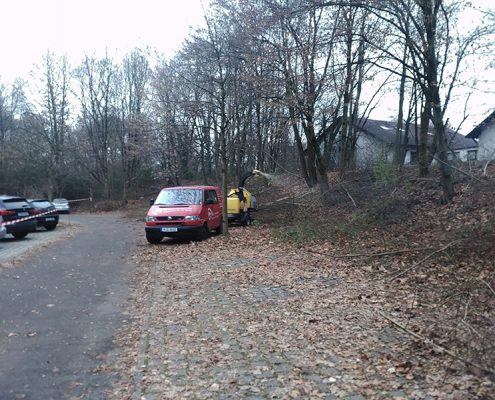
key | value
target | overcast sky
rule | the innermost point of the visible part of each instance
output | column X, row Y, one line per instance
column 28, row 28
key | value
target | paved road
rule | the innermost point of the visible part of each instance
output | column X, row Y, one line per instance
column 60, row 307
column 11, row 248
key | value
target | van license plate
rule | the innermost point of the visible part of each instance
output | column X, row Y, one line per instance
column 167, row 229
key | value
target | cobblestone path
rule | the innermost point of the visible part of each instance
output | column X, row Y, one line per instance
column 253, row 324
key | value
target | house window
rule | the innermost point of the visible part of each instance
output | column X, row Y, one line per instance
column 453, row 156
column 472, row 155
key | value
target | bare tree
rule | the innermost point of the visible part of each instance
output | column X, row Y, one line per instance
column 98, row 116
column 424, row 27
column 52, row 113
column 304, row 44
column 134, row 77
column 13, row 104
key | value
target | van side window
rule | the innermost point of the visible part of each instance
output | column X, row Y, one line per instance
column 212, row 196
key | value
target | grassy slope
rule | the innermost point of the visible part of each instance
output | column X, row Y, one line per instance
column 440, row 271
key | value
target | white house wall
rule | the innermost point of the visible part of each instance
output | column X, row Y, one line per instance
column 486, row 144
column 462, row 155
column 407, row 158
column 369, row 151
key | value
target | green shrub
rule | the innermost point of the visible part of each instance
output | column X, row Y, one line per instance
column 384, row 171
column 351, row 228
column 303, row 234
column 313, row 232
column 384, row 211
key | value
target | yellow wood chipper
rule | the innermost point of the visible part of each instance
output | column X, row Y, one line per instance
column 240, row 202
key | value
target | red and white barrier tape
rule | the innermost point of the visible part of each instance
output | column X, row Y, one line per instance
column 76, row 200
column 5, row 223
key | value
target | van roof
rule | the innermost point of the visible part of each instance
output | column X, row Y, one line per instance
column 193, row 187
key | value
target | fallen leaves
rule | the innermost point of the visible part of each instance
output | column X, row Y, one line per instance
column 308, row 317
column 251, row 315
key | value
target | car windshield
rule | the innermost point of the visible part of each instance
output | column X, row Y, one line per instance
column 60, row 201
column 12, row 204
column 41, row 203
column 176, row 197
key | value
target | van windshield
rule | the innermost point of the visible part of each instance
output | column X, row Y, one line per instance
column 179, row 197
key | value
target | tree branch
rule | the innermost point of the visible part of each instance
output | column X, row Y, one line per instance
column 423, row 260
column 436, row 346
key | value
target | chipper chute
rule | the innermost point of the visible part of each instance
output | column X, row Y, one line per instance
column 240, row 202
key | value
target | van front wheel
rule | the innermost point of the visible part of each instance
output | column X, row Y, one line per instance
column 153, row 239
column 205, row 232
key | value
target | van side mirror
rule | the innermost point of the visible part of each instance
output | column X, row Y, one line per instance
column 152, row 201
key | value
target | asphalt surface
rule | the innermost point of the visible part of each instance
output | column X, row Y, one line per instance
column 59, row 309
column 11, row 248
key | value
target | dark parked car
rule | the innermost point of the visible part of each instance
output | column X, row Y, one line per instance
column 47, row 214
column 15, row 212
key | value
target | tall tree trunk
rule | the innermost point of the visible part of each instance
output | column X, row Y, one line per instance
column 446, row 178
column 399, row 139
column 319, row 166
column 300, row 152
column 259, row 138
column 423, row 161
column 430, row 11
column 224, row 166
column 345, row 157
column 297, row 136
column 311, row 149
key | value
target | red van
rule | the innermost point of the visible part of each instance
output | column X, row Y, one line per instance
column 184, row 211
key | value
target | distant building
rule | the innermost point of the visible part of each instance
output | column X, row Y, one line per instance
column 376, row 141
column 484, row 134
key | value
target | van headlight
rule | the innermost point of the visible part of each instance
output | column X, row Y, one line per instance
column 150, row 219
column 191, row 218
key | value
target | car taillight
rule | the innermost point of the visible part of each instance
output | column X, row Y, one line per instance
column 4, row 212
column 34, row 212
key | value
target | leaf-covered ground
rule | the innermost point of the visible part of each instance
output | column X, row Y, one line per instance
column 390, row 299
